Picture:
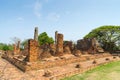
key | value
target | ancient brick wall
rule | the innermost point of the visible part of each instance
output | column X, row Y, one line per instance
column 59, row 46
column 16, row 48
column 69, row 44
column 33, row 49
column 61, row 62
column 89, row 45
column 67, row 50
column 84, row 44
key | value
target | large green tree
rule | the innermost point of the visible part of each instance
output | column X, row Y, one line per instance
column 108, row 36
column 43, row 38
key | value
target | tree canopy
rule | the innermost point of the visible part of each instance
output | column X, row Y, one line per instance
column 43, row 38
column 108, row 36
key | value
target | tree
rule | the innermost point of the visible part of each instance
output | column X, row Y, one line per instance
column 15, row 40
column 108, row 36
column 6, row 47
column 1, row 46
column 43, row 38
column 23, row 43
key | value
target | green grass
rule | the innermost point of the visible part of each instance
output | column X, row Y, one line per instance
column 110, row 71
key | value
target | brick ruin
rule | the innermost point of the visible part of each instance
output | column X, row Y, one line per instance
column 16, row 48
column 35, row 56
column 32, row 50
column 59, row 45
column 36, row 34
column 90, row 45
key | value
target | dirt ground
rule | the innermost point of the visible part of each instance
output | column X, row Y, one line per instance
column 10, row 72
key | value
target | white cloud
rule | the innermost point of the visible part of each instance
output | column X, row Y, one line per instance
column 37, row 8
column 20, row 19
column 53, row 17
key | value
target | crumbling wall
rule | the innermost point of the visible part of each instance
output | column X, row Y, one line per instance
column 16, row 48
column 33, row 48
column 90, row 45
column 44, row 51
column 61, row 62
column 69, row 44
column 59, row 46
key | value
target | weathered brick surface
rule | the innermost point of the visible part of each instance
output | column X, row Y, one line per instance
column 69, row 44
column 36, row 34
column 32, row 50
column 56, row 33
column 67, row 50
column 57, row 72
column 59, row 46
column 52, row 49
column 90, row 45
column 61, row 62
column 77, row 53
column 16, row 48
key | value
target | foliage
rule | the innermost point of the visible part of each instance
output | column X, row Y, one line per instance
column 43, row 38
column 23, row 43
column 108, row 36
column 1, row 46
column 5, row 47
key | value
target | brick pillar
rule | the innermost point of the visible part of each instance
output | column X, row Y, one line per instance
column 56, row 33
column 59, row 46
column 36, row 34
column 32, row 50
column 14, row 48
column 18, row 47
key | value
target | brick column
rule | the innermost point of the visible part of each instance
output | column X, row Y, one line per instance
column 14, row 48
column 56, row 33
column 18, row 44
column 36, row 34
column 32, row 50
column 18, row 47
column 59, row 46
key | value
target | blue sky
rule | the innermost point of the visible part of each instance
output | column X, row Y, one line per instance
column 73, row 18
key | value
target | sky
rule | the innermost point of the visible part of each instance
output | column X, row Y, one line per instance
column 73, row 18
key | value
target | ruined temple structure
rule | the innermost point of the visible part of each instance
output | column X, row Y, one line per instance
column 36, row 34
column 56, row 33
column 35, row 56
column 16, row 48
column 90, row 45
column 69, row 44
column 32, row 50
column 59, row 45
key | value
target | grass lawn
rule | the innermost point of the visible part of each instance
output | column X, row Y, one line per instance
column 110, row 71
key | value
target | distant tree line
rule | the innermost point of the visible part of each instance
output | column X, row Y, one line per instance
column 6, row 47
